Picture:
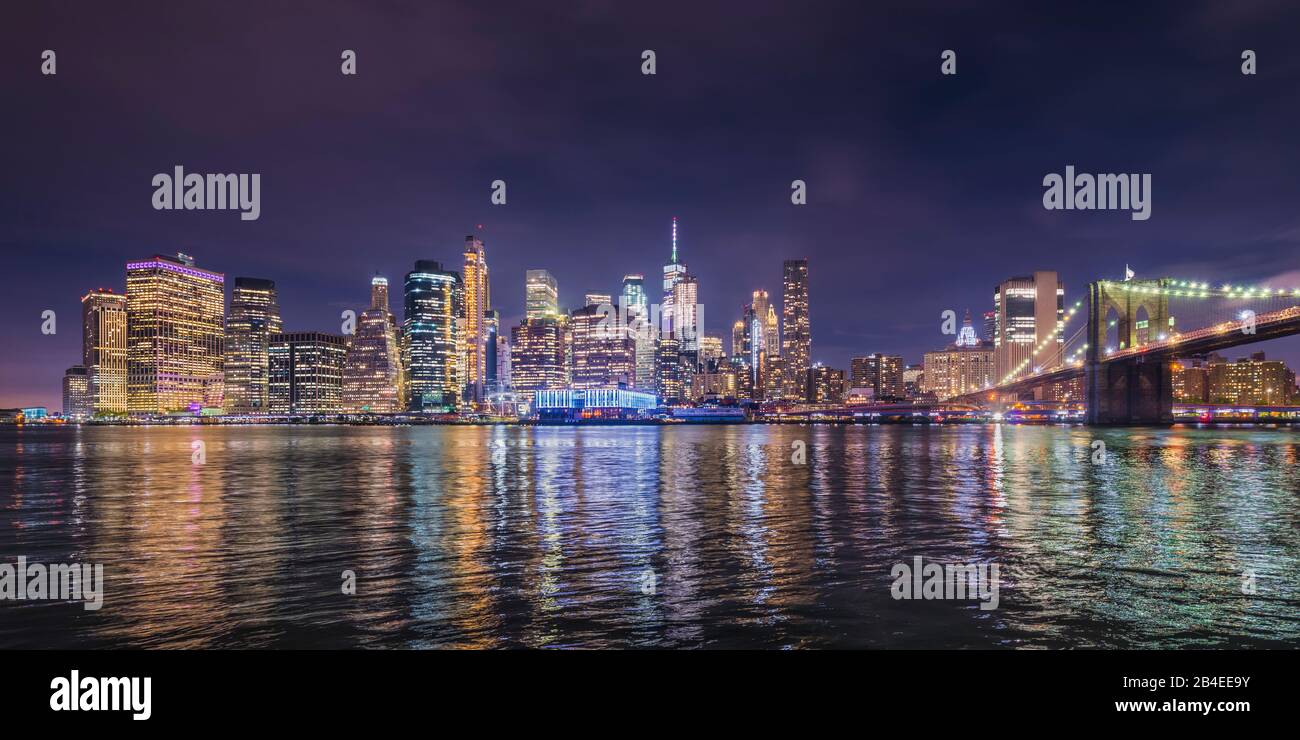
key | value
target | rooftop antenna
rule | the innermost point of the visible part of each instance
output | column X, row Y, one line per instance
column 674, row 240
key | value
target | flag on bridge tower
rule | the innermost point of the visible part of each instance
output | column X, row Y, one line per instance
column 1128, row 272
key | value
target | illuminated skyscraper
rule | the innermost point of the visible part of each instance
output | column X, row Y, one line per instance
column 491, row 345
column 711, row 354
column 504, row 380
column 542, row 295
column 777, row 383
column 477, row 303
column 796, row 340
column 430, row 342
column 76, row 393
column 686, row 314
column 633, row 293
column 636, row 313
column 372, row 374
column 752, row 348
column 765, row 311
column 306, row 373
column 674, row 271
column 254, row 317
column 103, row 350
column 679, row 329
column 537, row 359
column 671, row 378
column 772, row 332
column 1029, row 310
column 176, row 316
column 603, row 354
column 566, row 347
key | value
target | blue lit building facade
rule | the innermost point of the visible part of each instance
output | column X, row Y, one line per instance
column 429, row 350
column 593, row 404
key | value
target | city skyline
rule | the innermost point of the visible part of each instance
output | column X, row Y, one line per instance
column 921, row 195
column 175, row 298
column 568, row 306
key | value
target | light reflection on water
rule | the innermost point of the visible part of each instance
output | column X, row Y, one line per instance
column 543, row 537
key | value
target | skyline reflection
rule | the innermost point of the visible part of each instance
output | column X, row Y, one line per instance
column 652, row 536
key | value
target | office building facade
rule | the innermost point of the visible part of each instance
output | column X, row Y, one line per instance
column 537, row 360
column 254, row 316
column 542, row 295
column 1028, row 311
column 796, row 328
column 432, row 349
column 306, row 373
column 373, row 381
column 77, row 403
column 176, row 326
column 477, row 302
column 104, row 350
column 883, row 374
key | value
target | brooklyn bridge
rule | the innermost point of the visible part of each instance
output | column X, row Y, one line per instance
column 1116, row 353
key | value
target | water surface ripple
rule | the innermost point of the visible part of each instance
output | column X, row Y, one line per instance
column 653, row 536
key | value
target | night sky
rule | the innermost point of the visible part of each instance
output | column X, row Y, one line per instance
column 924, row 191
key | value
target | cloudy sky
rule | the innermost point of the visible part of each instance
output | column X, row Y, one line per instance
column 924, row 190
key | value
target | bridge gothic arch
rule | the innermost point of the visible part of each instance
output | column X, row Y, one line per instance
column 1127, row 298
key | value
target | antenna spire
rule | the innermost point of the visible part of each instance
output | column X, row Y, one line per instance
column 674, row 240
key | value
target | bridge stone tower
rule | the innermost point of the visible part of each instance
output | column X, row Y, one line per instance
column 1130, row 390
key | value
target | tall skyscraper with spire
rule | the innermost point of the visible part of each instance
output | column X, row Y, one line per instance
column 674, row 272
column 477, row 303
column 796, row 341
column 372, row 373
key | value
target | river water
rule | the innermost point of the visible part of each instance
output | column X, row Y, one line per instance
column 649, row 536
